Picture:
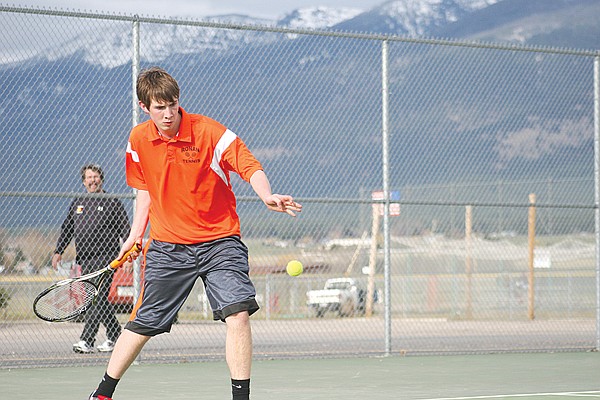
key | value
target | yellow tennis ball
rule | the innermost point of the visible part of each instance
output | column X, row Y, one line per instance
column 294, row 268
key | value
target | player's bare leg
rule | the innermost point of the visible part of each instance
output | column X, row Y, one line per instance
column 238, row 353
column 238, row 349
column 126, row 350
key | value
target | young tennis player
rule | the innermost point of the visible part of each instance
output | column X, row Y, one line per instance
column 180, row 165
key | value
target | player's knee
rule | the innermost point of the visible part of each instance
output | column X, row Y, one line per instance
column 238, row 319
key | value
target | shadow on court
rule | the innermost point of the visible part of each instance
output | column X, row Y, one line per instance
column 494, row 376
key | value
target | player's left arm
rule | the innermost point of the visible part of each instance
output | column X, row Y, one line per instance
column 275, row 202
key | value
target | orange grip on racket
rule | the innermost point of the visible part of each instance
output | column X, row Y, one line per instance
column 120, row 261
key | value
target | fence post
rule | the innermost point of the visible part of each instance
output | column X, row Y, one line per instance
column 386, row 196
column 597, row 189
column 531, row 230
column 373, row 259
column 468, row 260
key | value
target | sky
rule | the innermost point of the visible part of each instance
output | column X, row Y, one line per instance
column 193, row 8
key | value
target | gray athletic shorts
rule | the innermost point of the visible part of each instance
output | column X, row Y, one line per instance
column 171, row 271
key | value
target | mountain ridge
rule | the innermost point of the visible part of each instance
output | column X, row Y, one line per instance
column 506, row 21
column 296, row 83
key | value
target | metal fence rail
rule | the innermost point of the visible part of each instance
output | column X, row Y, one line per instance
column 415, row 160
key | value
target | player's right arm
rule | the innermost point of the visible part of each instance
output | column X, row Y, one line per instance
column 135, row 179
column 140, row 221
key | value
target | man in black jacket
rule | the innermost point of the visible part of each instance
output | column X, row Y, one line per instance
column 98, row 224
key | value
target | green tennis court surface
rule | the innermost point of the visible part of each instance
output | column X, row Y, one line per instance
column 534, row 376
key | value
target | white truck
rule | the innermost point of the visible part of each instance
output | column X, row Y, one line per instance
column 346, row 296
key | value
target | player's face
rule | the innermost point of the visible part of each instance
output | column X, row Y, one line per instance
column 92, row 181
column 165, row 116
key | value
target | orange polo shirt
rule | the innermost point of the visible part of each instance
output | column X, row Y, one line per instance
column 187, row 178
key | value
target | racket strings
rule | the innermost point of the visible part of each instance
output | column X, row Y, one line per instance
column 66, row 301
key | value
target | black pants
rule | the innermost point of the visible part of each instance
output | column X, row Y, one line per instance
column 102, row 312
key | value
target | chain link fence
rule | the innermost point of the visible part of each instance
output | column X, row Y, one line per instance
column 448, row 187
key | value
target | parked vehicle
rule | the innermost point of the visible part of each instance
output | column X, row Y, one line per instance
column 346, row 296
column 121, row 293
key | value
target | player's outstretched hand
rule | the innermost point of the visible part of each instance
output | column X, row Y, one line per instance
column 283, row 203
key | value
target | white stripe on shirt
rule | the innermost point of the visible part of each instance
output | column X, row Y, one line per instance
column 134, row 155
column 227, row 138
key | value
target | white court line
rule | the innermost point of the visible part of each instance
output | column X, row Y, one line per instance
column 591, row 393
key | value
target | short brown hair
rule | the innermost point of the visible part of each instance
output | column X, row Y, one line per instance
column 94, row 167
column 156, row 84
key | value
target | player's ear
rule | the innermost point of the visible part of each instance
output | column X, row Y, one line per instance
column 143, row 107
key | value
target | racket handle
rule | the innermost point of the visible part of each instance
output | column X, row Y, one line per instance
column 120, row 261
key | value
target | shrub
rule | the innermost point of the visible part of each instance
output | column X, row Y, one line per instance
column 4, row 298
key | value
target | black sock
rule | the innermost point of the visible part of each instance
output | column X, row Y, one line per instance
column 107, row 386
column 240, row 389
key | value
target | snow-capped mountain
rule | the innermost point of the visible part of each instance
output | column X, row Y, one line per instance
column 317, row 17
column 501, row 20
column 417, row 18
column 412, row 17
column 239, row 74
column 109, row 48
column 556, row 23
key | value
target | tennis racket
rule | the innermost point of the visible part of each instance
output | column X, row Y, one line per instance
column 69, row 298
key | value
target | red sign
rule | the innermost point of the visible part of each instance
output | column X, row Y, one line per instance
column 394, row 207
